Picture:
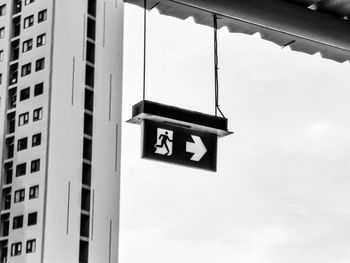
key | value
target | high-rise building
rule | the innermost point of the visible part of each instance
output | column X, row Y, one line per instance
column 60, row 115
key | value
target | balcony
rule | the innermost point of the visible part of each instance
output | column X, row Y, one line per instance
column 91, row 29
column 89, row 76
column 10, row 147
column 86, row 178
column 90, row 52
column 14, row 50
column 12, row 126
column 6, row 201
column 87, row 149
column 89, row 100
column 12, row 98
column 92, row 7
column 83, row 251
column 5, row 225
column 11, row 123
column 3, row 251
column 84, row 225
column 88, row 124
column 16, row 29
column 13, row 75
column 8, row 173
column 17, row 6
column 85, row 200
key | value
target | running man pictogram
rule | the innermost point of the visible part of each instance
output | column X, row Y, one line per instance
column 164, row 144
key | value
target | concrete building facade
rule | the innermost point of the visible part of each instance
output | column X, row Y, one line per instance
column 60, row 116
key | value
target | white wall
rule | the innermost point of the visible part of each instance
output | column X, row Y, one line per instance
column 66, row 132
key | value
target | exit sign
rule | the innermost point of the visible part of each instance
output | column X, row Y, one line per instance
column 172, row 144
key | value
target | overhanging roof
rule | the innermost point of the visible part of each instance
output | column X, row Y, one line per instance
column 309, row 26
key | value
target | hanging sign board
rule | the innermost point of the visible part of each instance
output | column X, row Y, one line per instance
column 178, row 145
column 179, row 136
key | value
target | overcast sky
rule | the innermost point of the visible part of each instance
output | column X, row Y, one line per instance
column 281, row 193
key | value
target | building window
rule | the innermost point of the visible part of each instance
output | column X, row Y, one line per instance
column 38, row 89
column 27, row 45
column 26, row 69
column 21, row 169
column 24, row 94
column 16, row 249
column 28, row 21
column 41, row 40
column 2, row 10
column 1, row 55
column 38, row 114
column 17, row 222
column 42, row 16
column 35, row 166
column 22, row 144
column 0, row 78
column 34, row 192
column 19, row 195
column 2, row 32
column 40, row 64
column 36, row 139
column 32, row 218
column 30, row 248
column 28, row 2
column 23, row 119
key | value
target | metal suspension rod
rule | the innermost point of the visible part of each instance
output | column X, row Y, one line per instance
column 216, row 68
column 144, row 48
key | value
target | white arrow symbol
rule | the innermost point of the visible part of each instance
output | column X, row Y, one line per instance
column 197, row 148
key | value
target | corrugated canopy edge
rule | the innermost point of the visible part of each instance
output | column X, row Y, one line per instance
column 284, row 22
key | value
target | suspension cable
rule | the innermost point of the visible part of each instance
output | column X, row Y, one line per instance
column 216, row 68
column 144, row 48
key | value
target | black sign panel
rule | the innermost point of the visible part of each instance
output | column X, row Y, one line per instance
column 175, row 144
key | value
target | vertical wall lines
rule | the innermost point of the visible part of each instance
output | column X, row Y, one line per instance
column 68, row 207
column 110, row 242
column 116, row 146
column 104, row 23
column 73, row 79
column 84, row 35
column 110, row 96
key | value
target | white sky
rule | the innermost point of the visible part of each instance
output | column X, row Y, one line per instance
column 281, row 193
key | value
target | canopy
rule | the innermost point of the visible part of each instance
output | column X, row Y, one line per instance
column 309, row 26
